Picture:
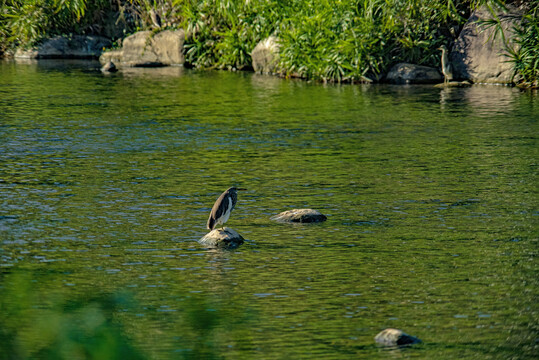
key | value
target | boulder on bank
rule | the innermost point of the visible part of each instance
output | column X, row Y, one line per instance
column 405, row 73
column 147, row 49
column 225, row 238
column 300, row 216
column 395, row 337
column 265, row 56
column 478, row 53
column 62, row 47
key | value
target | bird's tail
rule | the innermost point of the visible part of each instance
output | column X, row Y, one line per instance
column 211, row 223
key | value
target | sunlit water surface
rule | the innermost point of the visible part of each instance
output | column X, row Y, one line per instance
column 106, row 182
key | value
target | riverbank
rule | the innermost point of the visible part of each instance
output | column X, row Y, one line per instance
column 343, row 42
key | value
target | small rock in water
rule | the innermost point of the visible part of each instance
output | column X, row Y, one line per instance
column 395, row 337
column 109, row 67
column 300, row 215
column 225, row 238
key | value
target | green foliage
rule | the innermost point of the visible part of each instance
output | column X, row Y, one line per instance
column 222, row 33
column 346, row 40
column 525, row 57
column 36, row 322
column 40, row 318
column 24, row 22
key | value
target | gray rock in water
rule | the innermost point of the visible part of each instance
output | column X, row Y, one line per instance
column 265, row 56
column 479, row 52
column 395, row 337
column 300, row 215
column 225, row 238
column 109, row 67
column 146, row 49
column 404, row 73
column 62, row 47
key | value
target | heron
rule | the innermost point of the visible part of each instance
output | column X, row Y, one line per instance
column 446, row 65
column 220, row 212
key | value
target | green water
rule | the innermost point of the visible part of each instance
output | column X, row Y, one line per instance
column 106, row 183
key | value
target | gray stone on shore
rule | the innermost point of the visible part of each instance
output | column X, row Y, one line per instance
column 225, row 238
column 300, row 216
column 479, row 53
column 265, row 56
column 405, row 73
column 62, row 47
column 147, row 49
column 395, row 337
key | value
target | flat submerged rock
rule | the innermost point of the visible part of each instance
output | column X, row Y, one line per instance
column 224, row 238
column 300, row 216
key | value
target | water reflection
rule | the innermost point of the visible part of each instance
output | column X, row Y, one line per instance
column 483, row 101
column 153, row 72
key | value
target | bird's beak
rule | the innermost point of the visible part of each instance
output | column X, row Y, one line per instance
column 242, row 189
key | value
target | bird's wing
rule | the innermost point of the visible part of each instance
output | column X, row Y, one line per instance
column 218, row 209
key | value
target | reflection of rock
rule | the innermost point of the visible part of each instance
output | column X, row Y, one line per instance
column 225, row 238
column 145, row 48
column 154, row 72
column 459, row 84
column 265, row 56
column 404, row 73
column 478, row 54
column 61, row 47
column 109, row 67
column 395, row 337
column 300, row 215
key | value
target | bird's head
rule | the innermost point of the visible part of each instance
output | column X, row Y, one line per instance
column 235, row 189
column 442, row 48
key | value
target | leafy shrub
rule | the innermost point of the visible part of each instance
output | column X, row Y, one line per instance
column 348, row 40
column 25, row 22
column 525, row 57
